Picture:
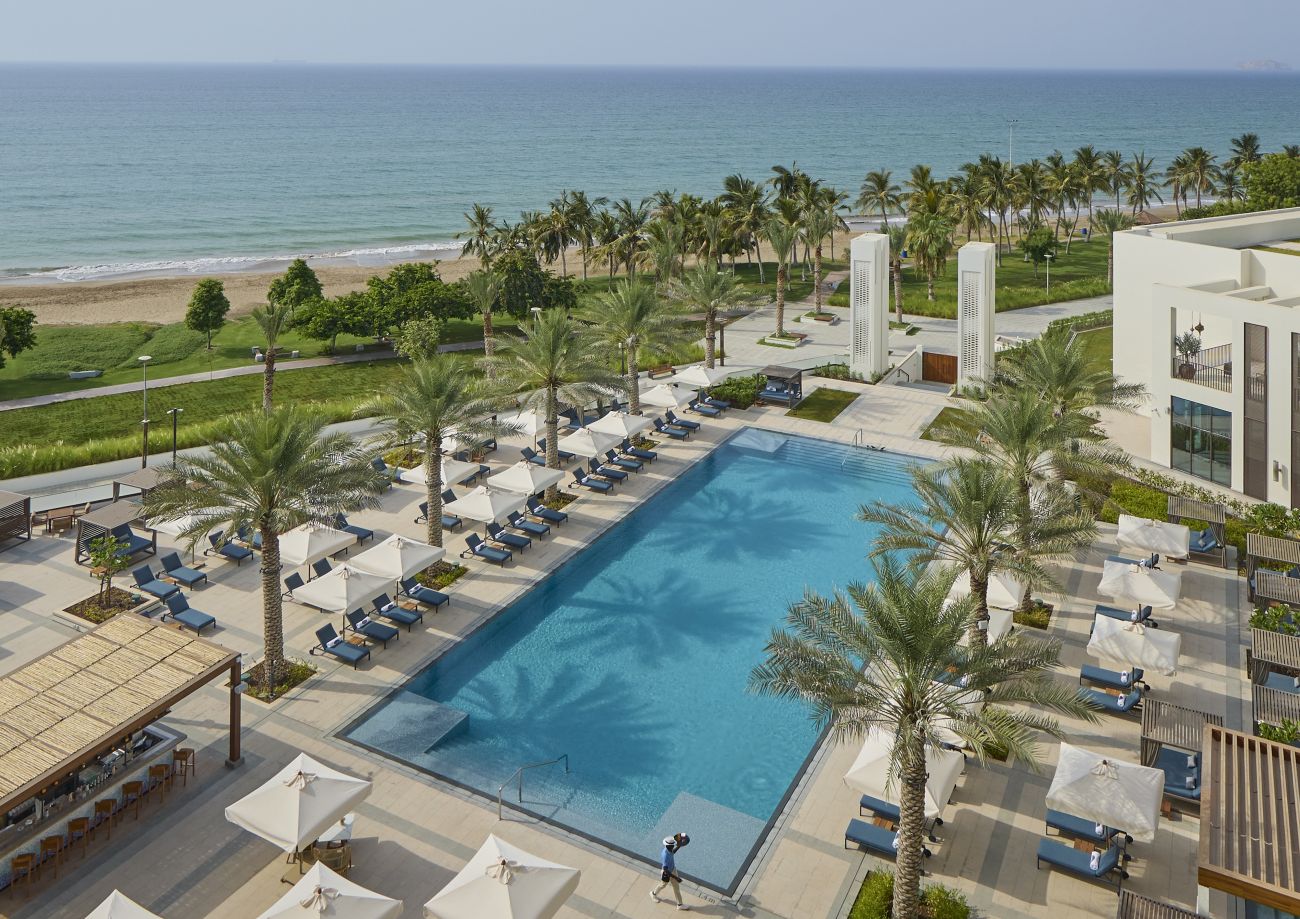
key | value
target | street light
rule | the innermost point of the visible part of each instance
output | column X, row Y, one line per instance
column 175, row 413
column 722, row 343
column 144, row 360
column 1011, row 134
column 1048, row 258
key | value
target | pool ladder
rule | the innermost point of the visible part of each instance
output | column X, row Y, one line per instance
column 519, row 774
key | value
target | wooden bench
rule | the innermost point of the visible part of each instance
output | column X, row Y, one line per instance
column 663, row 370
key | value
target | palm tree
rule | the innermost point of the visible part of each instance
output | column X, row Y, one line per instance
column 713, row 293
column 1200, row 170
column 664, row 242
column 558, row 231
column 269, row 471
column 433, row 397
column 631, row 317
column 1110, row 221
column 1178, row 180
column 787, row 181
column 478, row 237
column 1092, row 175
column 879, row 193
column 1142, row 182
column 1057, row 369
column 897, row 243
column 1229, row 185
column 558, row 362
column 631, row 219
column 272, row 319
column 1245, row 149
column 582, row 214
column 1291, row 150
column 746, row 203
column 781, row 237
column 929, row 238
column 817, row 225
column 1114, row 173
column 892, row 661
column 484, row 289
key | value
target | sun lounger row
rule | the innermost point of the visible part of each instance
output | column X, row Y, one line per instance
column 879, row 807
column 330, row 643
column 1122, row 704
column 1079, row 828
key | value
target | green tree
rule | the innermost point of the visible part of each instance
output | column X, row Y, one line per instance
column 521, row 281
column 1245, row 149
column 818, row 225
column 713, row 293
column 420, row 337
column 631, row 317
column 484, row 289
column 1037, row 244
column 887, row 656
column 880, row 194
column 478, row 235
column 897, row 245
column 272, row 319
column 1273, row 182
column 1142, row 183
column 414, row 290
column 16, row 331
column 929, row 239
column 1108, row 222
column 781, row 236
column 270, row 472
column 107, row 556
column 326, row 320
column 1058, row 369
column 298, row 285
column 208, row 308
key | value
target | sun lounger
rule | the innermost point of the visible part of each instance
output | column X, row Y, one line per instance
column 500, row 535
column 1174, row 764
column 171, row 563
column 564, row 455
column 606, row 472
column 680, row 422
column 648, row 456
column 145, row 580
column 291, row 583
column 483, row 468
column 721, row 404
column 360, row 532
column 533, row 457
column 1151, row 561
column 875, row 839
column 1112, row 679
column 1203, row 541
column 542, row 512
column 250, row 538
column 330, row 643
column 586, row 481
column 623, row 462
column 421, row 593
column 1126, row 615
column 127, row 537
column 361, row 624
column 1077, row 861
column 179, row 609
column 321, row 566
column 703, row 408
column 882, row 808
column 394, row 613
column 1079, row 828
column 569, row 416
column 524, row 525
column 1120, row 705
column 449, row 521
column 673, row 432
column 231, row 551
column 388, row 472
column 476, row 546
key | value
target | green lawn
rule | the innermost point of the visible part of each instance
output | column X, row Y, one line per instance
column 823, row 405
column 1099, row 345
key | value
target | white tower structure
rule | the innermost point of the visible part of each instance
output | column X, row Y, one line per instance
column 869, row 304
column 976, row 274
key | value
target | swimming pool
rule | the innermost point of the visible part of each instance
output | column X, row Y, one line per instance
column 633, row 658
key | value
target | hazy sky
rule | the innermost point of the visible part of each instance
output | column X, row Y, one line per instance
column 843, row 33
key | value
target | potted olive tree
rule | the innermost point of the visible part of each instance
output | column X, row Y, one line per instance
column 1188, row 345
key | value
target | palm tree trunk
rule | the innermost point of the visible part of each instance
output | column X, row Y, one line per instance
column 433, row 486
column 710, row 334
column 1110, row 260
column 817, row 279
column 268, row 380
column 929, row 286
column 911, row 833
column 564, row 265
column 780, row 299
column 898, row 289
column 979, row 627
column 758, row 253
column 489, row 343
column 272, row 610
column 633, row 373
column 552, row 435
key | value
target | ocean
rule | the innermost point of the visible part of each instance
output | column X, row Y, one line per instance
column 116, row 170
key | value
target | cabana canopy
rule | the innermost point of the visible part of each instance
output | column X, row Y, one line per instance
column 784, row 385
column 102, row 520
column 15, row 516
column 1271, row 650
column 869, row 773
column 1168, row 725
column 298, row 804
column 311, row 543
column 142, row 480
column 1214, row 516
column 1101, row 788
column 119, row 906
column 1276, row 586
column 1274, row 706
column 504, row 882
column 1134, row 645
column 485, row 505
column 397, row 557
column 525, row 478
column 322, row 892
column 342, row 589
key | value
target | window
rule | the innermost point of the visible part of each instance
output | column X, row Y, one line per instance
column 1200, row 439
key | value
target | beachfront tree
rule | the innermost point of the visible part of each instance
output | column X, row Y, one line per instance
column 555, row 361
column 1273, row 182
column 781, row 236
column 665, row 240
column 16, row 331
column 714, row 294
column 582, row 214
column 1057, row 369
column 1142, row 182
column 887, row 657
column 1091, row 171
column 817, row 226
column 272, row 319
column 1229, row 186
column 897, row 246
column 879, row 193
column 631, row 219
column 1291, row 151
column 298, row 285
column 1114, row 171
column 480, row 233
column 929, row 239
column 1108, row 222
column 747, row 208
column 631, row 317
column 1245, row 149
column 432, row 398
column 268, row 472
column 208, row 307
column 1037, row 245
column 1201, row 171
column 484, row 289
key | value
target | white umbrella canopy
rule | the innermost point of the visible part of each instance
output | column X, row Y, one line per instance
column 119, row 906
column 504, row 882
column 589, row 443
column 1135, row 645
column 177, row 525
column 525, row 422
column 699, row 375
column 1005, row 591
column 309, row 543
column 972, row 700
column 1121, row 795
column 525, row 478
column 298, row 803
column 620, row 424
column 342, row 589
column 1000, row 623
column 869, row 773
column 667, row 396
column 1158, row 589
column 322, row 893
column 485, row 505
column 453, row 471
column 397, row 557
column 1169, row 539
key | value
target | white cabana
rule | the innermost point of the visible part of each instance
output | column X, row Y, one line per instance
column 701, row 376
column 1152, row 587
column 119, row 906
column 1005, row 591
column 504, row 882
column 620, row 424
column 525, row 422
column 667, row 396
column 1133, row 644
column 1120, row 795
column 397, row 557
column 322, row 893
column 297, row 804
column 453, row 472
column 342, row 590
column 485, row 505
column 175, row 526
column 1172, row 540
column 869, row 773
column 525, row 478
column 589, row 443
column 310, row 543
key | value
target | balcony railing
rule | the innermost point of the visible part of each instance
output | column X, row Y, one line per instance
column 1210, row 367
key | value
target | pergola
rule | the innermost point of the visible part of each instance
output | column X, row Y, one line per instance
column 15, row 516
column 1273, row 706
column 1136, row 906
column 1271, row 585
column 142, row 480
column 103, row 520
column 1249, row 823
column 1215, row 517
column 1271, row 651
column 784, row 385
column 1168, row 725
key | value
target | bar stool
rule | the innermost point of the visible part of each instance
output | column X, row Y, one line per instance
column 79, row 832
column 183, row 763
column 132, row 792
column 105, row 811
column 20, row 869
column 160, row 777
column 51, row 848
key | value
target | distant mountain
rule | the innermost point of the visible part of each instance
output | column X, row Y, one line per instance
column 1266, row 65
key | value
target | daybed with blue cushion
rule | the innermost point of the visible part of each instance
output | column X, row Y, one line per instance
column 127, row 537
column 1079, row 828
column 1174, row 764
column 1078, row 862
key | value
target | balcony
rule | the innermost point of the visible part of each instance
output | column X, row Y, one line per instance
column 1210, row 367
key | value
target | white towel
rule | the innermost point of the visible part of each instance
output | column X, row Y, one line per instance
column 1133, row 617
column 363, row 622
column 1094, row 860
column 1124, row 677
column 1099, row 828
column 332, row 642
column 894, row 842
column 1191, row 761
column 1190, row 781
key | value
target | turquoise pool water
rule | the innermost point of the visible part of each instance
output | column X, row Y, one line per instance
column 633, row 658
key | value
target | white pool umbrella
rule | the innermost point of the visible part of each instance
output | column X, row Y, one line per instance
column 972, row 700
column 526, row 422
column 586, row 442
column 869, row 773
column 453, row 472
column 620, row 424
column 524, row 478
column 1135, row 645
column 342, row 589
column 1158, row 589
column 324, row 894
column 119, row 906
column 397, row 557
column 1005, row 591
column 699, row 375
column 485, row 505
column 504, row 882
column 666, row 396
column 1000, row 623
column 1169, row 539
column 175, row 526
column 309, row 543
column 298, row 803
column 1100, row 788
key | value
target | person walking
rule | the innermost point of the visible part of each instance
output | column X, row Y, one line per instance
column 668, row 864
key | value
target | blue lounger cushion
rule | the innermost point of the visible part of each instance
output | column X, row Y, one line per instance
column 229, row 550
column 422, row 593
column 716, row 403
column 1078, row 827
column 179, row 609
column 360, row 532
column 647, row 455
column 497, row 533
column 1174, row 765
column 175, row 570
column 394, row 613
column 1124, row 615
column 1076, row 861
column 606, row 472
column 330, row 643
column 1204, row 541
column 875, row 839
column 623, row 462
column 673, row 432
column 705, row 409
column 1113, row 704
column 879, row 807
column 1113, row 679
column 591, row 482
column 672, row 418
column 134, row 544
column 531, row 527
column 476, row 546
column 549, row 514
column 362, row 624
column 145, row 580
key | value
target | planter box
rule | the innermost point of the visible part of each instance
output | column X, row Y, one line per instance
column 784, row 342
column 84, row 374
column 146, row 607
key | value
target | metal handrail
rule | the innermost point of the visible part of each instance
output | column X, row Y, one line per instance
column 519, row 773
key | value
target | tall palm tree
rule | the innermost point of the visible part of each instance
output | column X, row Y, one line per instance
column 1092, row 174
column 888, row 657
column 478, row 236
column 582, row 214
column 781, row 237
column 713, row 293
column 272, row 319
column 269, row 471
column 747, row 205
column 1142, row 182
column 1229, row 185
column 433, row 397
column 897, row 243
column 879, row 193
column 558, row 231
column 1200, row 170
column 558, row 362
column 1110, row 221
column 663, row 252
column 1245, row 149
column 631, row 219
column 1291, row 150
column 1178, row 179
column 631, row 317
column 1057, row 369
column 929, row 238
column 484, row 289
column 1115, row 172
column 817, row 225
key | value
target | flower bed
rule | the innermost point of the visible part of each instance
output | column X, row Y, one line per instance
column 91, row 610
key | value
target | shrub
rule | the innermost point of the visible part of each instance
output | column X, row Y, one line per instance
column 875, row 899
column 836, row 372
column 945, row 903
column 1014, row 298
column 1135, row 499
column 1287, row 732
column 1082, row 323
column 1275, row 618
column 1038, row 616
column 740, row 391
column 291, row 674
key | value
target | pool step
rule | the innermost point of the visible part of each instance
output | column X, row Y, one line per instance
column 846, row 461
column 409, row 726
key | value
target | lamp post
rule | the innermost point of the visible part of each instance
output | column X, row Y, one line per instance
column 144, row 360
column 1011, row 136
column 175, row 413
column 722, row 343
column 1048, row 258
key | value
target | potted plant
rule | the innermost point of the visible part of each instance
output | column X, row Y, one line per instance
column 1188, row 345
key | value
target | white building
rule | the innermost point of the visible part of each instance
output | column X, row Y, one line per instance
column 1228, row 412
